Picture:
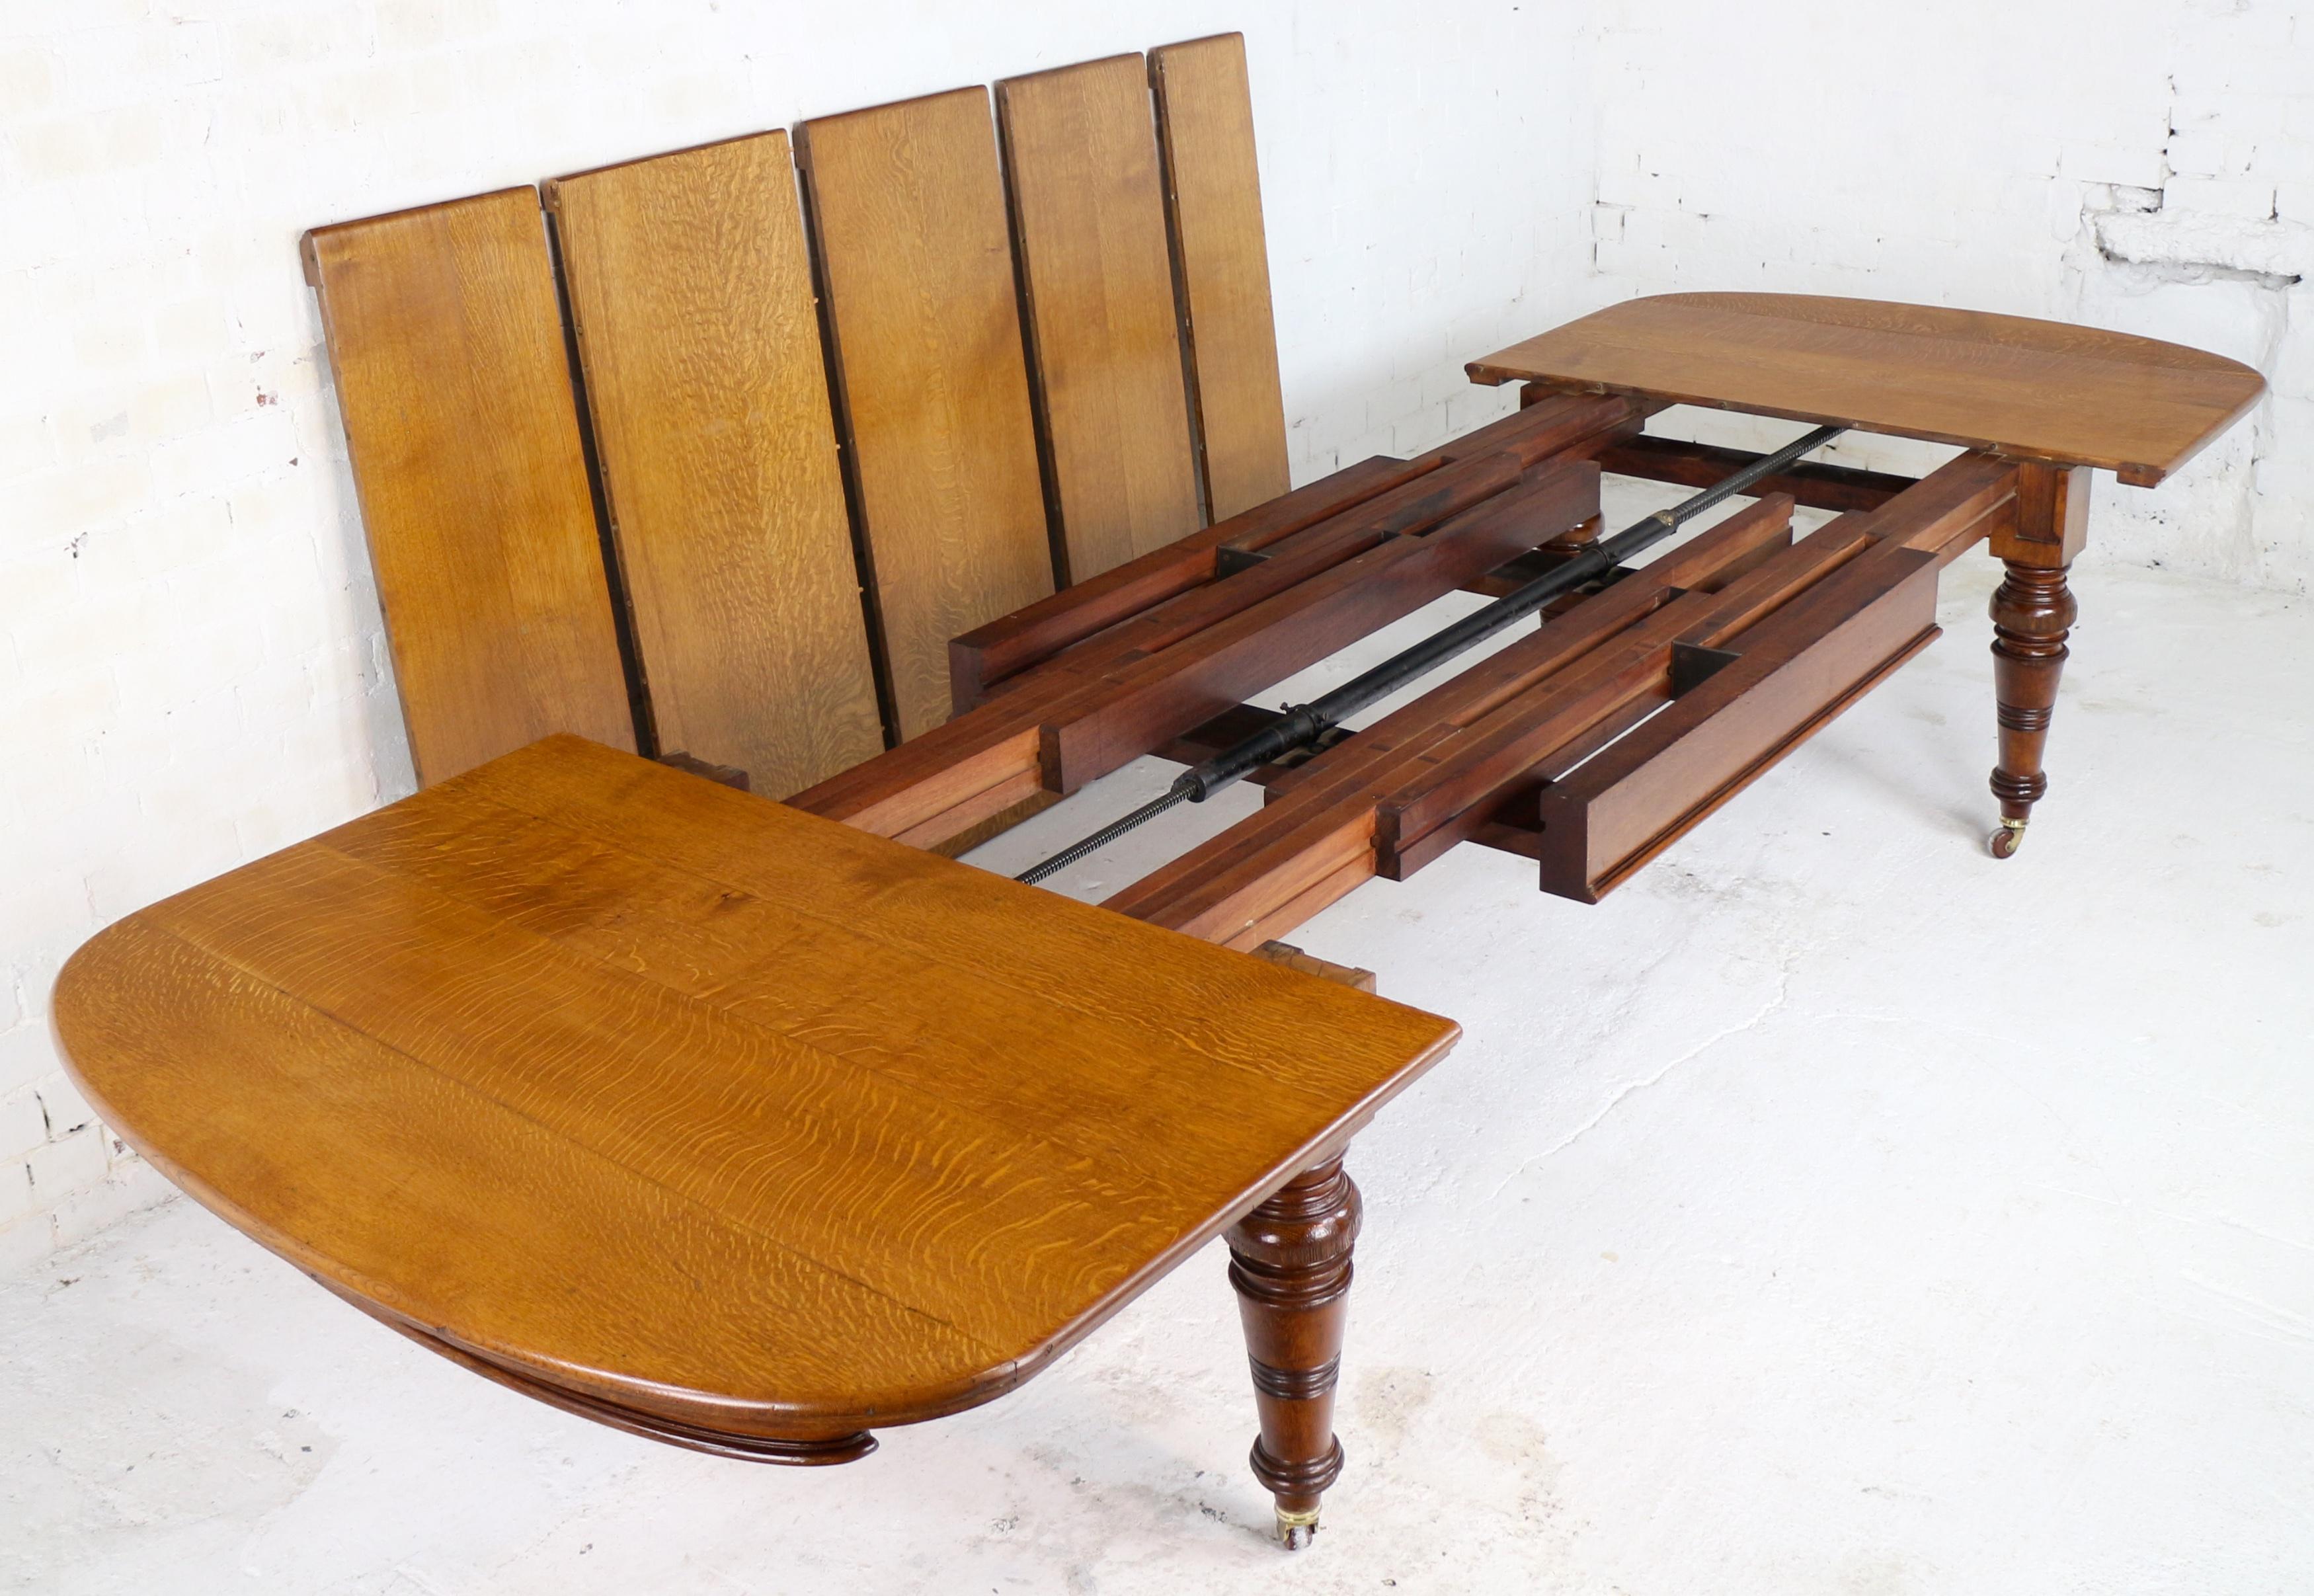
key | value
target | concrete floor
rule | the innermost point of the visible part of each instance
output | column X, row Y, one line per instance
column 1834, row 1210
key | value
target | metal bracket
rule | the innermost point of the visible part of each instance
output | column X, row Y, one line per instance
column 1691, row 665
column 1331, row 737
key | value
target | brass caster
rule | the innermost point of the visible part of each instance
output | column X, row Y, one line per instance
column 2005, row 841
column 1296, row 1530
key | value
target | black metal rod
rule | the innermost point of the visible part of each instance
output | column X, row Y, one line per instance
column 1106, row 834
column 1304, row 724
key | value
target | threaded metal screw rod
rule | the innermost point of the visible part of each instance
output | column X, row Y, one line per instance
column 1304, row 724
column 1106, row 834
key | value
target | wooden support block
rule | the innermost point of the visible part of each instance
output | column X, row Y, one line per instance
column 1294, row 958
column 1570, row 426
column 915, row 271
column 728, row 775
column 1221, row 263
column 445, row 345
column 1088, row 217
column 1797, row 670
column 2051, row 526
column 691, row 297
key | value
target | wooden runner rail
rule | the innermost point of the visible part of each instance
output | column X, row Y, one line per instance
column 1201, row 640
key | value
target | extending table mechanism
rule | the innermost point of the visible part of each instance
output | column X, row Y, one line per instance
column 1305, row 727
column 1593, row 743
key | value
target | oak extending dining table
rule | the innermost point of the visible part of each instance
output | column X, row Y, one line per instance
column 736, row 1127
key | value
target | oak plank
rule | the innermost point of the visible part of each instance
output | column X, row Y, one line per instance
column 1096, row 1094
column 1221, row 254
column 445, row 347
column 691, row 296
column 915, row 267
column 1010, row 933
column 526, row 1019
column 1089, row 227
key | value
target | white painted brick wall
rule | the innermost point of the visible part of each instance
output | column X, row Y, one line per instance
column 2146, row 165
column 192, row 666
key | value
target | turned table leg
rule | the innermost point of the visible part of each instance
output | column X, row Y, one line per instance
column 2032, row 612
column 1290, row 1261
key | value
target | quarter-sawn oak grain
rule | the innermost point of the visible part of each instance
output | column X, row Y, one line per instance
column 1089, row 221
column 445, row 344
column 1221, row 260
column 653, row 1093
column 2025, row 389
column 916, row 266
column 691, row 296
